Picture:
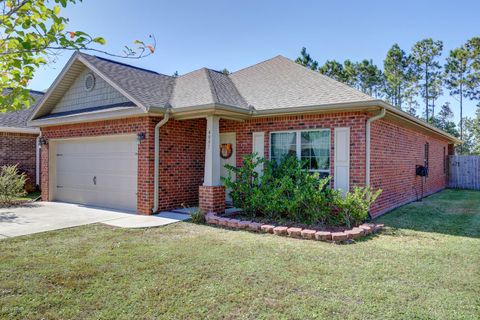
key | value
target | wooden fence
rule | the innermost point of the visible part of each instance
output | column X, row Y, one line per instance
column 464, row 172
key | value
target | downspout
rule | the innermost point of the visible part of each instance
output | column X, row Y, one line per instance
column 156, row 170
column 367, row 144
column 37, row 160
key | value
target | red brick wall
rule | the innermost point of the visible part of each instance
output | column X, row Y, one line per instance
column 182, row 154
column 395, row 151
column 354, row 120
column 212, row 199
column 182, row 158
column 19, row 149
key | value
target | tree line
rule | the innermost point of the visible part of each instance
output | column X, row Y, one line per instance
column 414, row 81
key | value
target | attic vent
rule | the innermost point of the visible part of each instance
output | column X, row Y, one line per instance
column 89, row 82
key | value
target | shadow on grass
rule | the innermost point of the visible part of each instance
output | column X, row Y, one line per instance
column 452, row 212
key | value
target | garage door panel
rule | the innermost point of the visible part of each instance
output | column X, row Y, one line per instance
column 99, row 172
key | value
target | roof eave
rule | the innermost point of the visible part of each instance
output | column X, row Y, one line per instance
column 408, row 117
column 19, row 130
column 89, row 117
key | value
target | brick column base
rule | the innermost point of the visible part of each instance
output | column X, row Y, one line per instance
column 211, row 199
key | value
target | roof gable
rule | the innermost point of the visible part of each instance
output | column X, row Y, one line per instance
column 144, row 87
column 205, row 87
column 77, row 98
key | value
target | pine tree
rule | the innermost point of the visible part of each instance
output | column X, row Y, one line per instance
column 460, row 78
column 306, row 60
column 444, row 120
column 334, row 70
column 351, row 73
column 398, row 75
column 370, row 78
column 425, row 54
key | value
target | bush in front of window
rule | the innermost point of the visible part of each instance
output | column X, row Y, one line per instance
column 286, row 191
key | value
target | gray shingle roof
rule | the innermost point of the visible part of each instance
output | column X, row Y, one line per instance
column 205, row 86
column 148, row 87
column 281, row 83
column 276, row 83
column 18, row 119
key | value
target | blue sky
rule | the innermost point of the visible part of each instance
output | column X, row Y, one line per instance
column 235, row 34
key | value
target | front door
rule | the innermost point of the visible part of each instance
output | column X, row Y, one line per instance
column 227, row 156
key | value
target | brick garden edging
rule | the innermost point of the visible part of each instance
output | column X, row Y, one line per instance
column 293, row 232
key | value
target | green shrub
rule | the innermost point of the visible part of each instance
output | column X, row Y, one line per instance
column 198, row 217
column 12, row 184
column 354, row 207
column 287, row 191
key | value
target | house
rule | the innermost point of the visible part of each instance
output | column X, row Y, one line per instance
column 18, row 142
column 118, row 136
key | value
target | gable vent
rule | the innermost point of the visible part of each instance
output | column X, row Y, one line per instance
column 89, row 82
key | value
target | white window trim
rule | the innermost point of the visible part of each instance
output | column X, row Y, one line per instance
column 298, row 144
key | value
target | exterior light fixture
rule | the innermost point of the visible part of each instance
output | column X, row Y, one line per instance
column 140, row 136
column 43, row 141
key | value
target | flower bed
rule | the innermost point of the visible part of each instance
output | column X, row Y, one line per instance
column 295, row 232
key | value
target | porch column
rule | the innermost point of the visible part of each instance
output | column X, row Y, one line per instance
column 212, row 193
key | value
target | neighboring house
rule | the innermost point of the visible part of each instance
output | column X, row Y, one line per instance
column 18, row 142
column 99, row 121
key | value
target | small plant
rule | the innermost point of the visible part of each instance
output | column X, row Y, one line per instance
column 353, row 208
column 198, row 217
column 12, row 184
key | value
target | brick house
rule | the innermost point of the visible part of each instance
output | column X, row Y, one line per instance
column 19, row 143
column 123, row 137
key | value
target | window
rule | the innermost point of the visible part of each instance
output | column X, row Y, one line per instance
column 312, row 146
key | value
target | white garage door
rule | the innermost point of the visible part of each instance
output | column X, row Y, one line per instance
column 98, row 172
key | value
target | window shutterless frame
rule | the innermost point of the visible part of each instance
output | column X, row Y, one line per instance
column 298, row 145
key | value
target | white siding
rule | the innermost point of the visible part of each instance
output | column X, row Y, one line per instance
column 77, row 98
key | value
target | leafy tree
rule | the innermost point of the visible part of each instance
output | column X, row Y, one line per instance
column 334, row 70
column 31, row 33
column 225, row 71
column 398, row 75
column 306, row 60
column 425, row 54
column 175, row 74
column 460, row 78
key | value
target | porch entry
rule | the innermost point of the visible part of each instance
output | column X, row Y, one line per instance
column 228, row 154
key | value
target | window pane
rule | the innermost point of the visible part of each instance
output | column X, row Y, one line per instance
column 316, row 149
column 283, row 143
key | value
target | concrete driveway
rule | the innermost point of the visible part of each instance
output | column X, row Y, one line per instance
column 46, row 216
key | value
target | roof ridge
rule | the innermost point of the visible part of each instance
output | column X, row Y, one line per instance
column 213, row 90
column 124, row 64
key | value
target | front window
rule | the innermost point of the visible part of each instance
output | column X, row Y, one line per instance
column 313, row 147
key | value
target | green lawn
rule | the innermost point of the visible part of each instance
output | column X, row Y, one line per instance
column 426, row 264
column 31, row 196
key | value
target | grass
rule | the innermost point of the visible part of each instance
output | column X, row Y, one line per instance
column 31, row 196
column 425, row 265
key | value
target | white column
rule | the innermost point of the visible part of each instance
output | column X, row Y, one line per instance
column 212, row 152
